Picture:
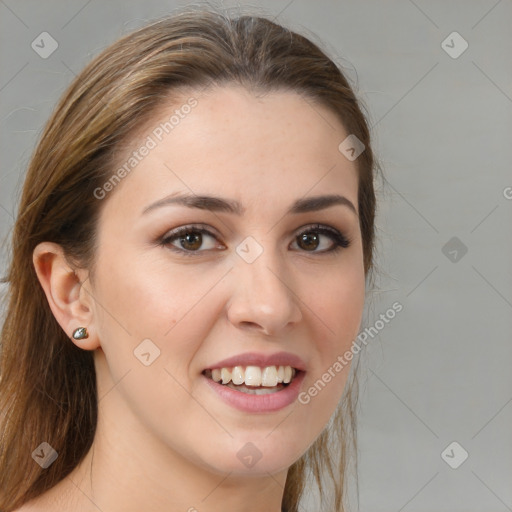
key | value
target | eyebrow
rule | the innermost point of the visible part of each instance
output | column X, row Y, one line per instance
column 219, row 204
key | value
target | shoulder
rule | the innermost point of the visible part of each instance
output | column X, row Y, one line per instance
column 49, row 501
column 34, row 505
column 28, row 507
column 63, row 497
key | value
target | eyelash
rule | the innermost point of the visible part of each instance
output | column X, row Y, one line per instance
column 340, row 240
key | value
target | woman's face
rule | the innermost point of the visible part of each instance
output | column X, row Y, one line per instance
column 168, row 308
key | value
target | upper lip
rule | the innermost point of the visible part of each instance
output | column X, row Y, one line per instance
column 261, row 360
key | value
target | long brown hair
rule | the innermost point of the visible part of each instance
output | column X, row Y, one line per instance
column 47, row 384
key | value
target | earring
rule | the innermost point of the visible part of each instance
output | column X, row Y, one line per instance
column 80, row 333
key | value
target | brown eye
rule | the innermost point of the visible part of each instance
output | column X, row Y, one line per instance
column 310, row 240
column 189, row 238
column 192, row 238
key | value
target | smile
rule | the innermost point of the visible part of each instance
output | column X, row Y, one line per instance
column 256, row 389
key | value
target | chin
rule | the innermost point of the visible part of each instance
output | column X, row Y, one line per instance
column 258, row 458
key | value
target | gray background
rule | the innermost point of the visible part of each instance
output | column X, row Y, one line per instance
column 440, row 370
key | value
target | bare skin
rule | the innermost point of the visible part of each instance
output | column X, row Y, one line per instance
column 165, row 441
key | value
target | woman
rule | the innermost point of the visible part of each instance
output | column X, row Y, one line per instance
column 190, row 261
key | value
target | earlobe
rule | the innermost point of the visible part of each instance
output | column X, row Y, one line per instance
column 72, row 310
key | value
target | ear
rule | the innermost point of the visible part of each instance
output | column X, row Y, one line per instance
column 71, row 304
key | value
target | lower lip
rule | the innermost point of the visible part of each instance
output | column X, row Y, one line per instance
column 259, row 403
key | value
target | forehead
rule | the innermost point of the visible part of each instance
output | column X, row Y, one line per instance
column 271, row 148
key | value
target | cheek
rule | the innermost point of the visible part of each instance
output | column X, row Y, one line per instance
column 146, row 297
column 336, row 299
column 150, row 298
column 150, row 331
column 336, row 309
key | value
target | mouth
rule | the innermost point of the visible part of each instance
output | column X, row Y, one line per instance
column 254, row 380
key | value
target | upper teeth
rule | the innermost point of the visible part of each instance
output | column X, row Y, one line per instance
column 254, row 375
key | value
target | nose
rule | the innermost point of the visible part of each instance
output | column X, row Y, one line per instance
column 263, row 299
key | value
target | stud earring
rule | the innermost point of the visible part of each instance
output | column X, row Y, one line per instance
column 80, row 333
